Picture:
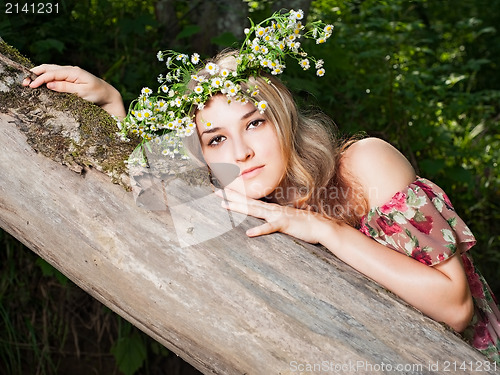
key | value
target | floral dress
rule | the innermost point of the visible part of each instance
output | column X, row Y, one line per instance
column 420, row 222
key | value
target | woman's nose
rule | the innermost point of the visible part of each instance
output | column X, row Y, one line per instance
column 242, row 150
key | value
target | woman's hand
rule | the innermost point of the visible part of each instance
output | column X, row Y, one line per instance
column 300, row 223
column 75, row 80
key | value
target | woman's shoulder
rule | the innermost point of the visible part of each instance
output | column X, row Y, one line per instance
column 379, row 168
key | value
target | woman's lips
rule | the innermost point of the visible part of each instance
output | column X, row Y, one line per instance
column 251, row 172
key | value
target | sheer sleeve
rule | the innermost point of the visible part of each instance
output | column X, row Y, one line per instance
column 420, row 222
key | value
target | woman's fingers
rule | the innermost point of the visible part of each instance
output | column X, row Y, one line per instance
column 240, row 207
column 72, row 79
column 266, row 228
column 237, row 202
column 299, row 223
column 274, row 215
column 264, row 211
column 40, row 69
column 53, row 73
column 63, row 86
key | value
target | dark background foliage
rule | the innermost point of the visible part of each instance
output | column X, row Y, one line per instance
column 421, row 74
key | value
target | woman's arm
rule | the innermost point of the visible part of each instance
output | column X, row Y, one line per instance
column 440, row 291
column 80, row 82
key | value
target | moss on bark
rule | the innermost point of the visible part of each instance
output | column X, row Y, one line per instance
column 62, row 126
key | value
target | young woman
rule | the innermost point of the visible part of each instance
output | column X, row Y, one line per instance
column 360, row 199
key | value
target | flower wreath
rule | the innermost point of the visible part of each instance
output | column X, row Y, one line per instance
column 168, row 116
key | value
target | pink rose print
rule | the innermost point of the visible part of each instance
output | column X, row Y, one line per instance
column 482, row 337
column 428, row 190
column 397, row 203
column 421, row 256
column 475, row 284
column 447, row 200
column 430, row 193
column 430, row 227
column 364, row 229
column 424, row 226
column 468, row 267
column 388, row 227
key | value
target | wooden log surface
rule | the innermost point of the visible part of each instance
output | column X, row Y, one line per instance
column 225, row 303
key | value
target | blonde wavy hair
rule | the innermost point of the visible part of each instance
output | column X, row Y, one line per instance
column 314, row 177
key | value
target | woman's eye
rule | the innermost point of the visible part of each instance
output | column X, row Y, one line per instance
column 255, row 123
column 216, row 140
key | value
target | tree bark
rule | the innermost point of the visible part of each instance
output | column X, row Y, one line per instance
column 225, row 303
column 214, row 18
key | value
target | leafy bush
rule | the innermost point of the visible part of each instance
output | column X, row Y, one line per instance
column 416, row 74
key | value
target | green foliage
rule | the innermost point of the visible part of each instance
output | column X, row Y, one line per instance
column 18, row 325
column 104, row 37
column 49, row 271
column 129, row 350
column 418, row 74
column 188, row 30
column 50, row 326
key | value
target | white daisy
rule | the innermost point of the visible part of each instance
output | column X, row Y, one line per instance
column 147, row 113
column 146, row 91
column 216, row 82
column 195, row 58
column 304, row 64
column 212, row 68
column 262, row 105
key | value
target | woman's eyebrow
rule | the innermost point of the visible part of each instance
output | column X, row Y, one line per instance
column 247, row 115
column 211, row 130
column 216, row 129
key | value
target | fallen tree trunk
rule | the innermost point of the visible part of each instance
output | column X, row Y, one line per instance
column 225, row 303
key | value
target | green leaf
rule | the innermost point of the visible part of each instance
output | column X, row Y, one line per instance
column 226, row 39
column 129, row 353
column 49, row 271
column 452, row 222
column 432, row 167
column 448, row 236
column 47, row 45
column 188, row 31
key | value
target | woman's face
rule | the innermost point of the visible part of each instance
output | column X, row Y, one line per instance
column 238, row 134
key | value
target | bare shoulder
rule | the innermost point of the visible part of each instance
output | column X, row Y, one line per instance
column 379, row 168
